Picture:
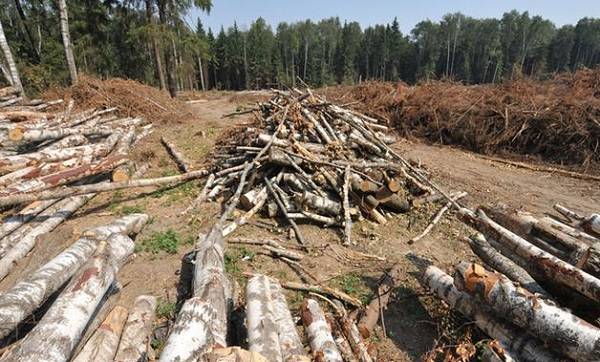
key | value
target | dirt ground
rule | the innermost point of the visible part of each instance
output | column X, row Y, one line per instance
column 414, row 321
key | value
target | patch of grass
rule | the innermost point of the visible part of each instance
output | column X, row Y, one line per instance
column 167, row 241
column 352, row 284
column 133, row 209
column 168, row 173
column 231, row 263
column 177, row 192
column 165, row 309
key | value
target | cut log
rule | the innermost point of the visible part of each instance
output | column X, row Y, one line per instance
column 99, row 187
column 262, row 328
column 29, row 212
column 352, row 334
column 292, row 349
column 36, row 135
column 103, row 344
column 26, row 296
column 346, row 206
column 182, row 163
column 319, row 333
column 525, row 347
column 321, row 204
column 592, row 224
column 134, row 343
column 67, row 142
column 53, row 217
column 504, row 265
column 560, row 329
column 56, row 335
column 540, row 261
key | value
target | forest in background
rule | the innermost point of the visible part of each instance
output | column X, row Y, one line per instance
column 152, row 42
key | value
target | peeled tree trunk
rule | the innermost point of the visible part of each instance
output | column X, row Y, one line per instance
column 66, row 37
column 519, row 343
column 12, row 66
column 15, row 221
column 103, row 344
column 56, row 335
column 319, row 333
column 137, row 330
column 541, row 262
column 292, row 349
column 562, row 330
column 27, row 295
column 262, row 328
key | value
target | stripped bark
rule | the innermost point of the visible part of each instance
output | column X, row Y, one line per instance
column 262, row 328
column 505, row 265
column 562, row 330
column 103, row 344
column 99, row 187
column 56, row 335
column 523, row 345
column 134, row 340
column 319, row 333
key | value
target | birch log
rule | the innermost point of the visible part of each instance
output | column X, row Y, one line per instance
column 54, row 216
column 525, row 347
column 319, row 333
column 352, row 334
column 137, row 330
column 560, row 329
column 56, row 335
column 103, row 344
column 182, row 163
column 262, row 328
column 98, row 187
column 541, row 262
column 26, row 296
column 14, row 222
column 292, row 349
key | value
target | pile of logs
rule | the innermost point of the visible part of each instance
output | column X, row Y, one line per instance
column 307, row 160
column 539, row 295
column 203, row 324
column 74, row 292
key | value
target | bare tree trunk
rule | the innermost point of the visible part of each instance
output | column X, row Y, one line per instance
column 262, row 328
column 103, row 344
column 156, row 49
column 12, row 66
column 66, row 36
column 28, row 32
column 55, row 337
column 134, row 341
column 201, row 69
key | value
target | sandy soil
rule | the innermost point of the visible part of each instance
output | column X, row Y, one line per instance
column 414, row 321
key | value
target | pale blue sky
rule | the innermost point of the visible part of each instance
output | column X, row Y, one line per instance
column 409, row 12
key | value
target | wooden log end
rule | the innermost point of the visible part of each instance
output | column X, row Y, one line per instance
column 16, row 134
column 120, row 175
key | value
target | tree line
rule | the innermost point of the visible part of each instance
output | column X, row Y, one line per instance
column 151, row 41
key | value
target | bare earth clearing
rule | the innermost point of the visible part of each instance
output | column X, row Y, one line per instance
column 413, row 316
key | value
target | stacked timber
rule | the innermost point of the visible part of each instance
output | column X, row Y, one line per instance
column 539, row 291
column 307, row 160
column 85, row 275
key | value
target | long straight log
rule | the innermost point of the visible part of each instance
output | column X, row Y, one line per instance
column 289, row 340
column 29, row 212
column 262, row 328
column 523, row 345
column 37, row 135
column 99, row 187
column 504, row 265
column 319, row 333
column 103, row 344
column 56, row 335
column 540, row 261
column 55, row 215
column 27, row 295
column 182, row 163
column 136, row 332
column 562, row 330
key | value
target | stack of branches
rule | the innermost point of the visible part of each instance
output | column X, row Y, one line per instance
column 48, row 153
column 539, row 295
column 206, row 318
column 556, row 119
column 307, row 159
column 57, row 311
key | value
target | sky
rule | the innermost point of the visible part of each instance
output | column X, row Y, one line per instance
column 409, row 12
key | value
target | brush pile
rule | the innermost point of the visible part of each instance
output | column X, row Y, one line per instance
column 308, row 160
column 49, row 153
column 539, row 295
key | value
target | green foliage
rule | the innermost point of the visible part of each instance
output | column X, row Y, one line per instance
column 165, row 309
column 132, row 209
column 352, row 284
column 167, row 241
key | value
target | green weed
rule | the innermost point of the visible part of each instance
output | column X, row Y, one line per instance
column 134, row 209
column 165, row 309
column 167, row 241
column 353, row 285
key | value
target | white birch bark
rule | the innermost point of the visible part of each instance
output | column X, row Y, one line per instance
column 66, row 37
column 29, row 212
column 319, row 333
column 12, row 66
column 102, row 346
column 55, row 337
column 560, row 329
column 262, row 329
column 137, row 330
column 27, row 295
column 289, row 340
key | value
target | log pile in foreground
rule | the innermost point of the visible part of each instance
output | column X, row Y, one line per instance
column 85, row 276
column 539, row 293
column 307, row 160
